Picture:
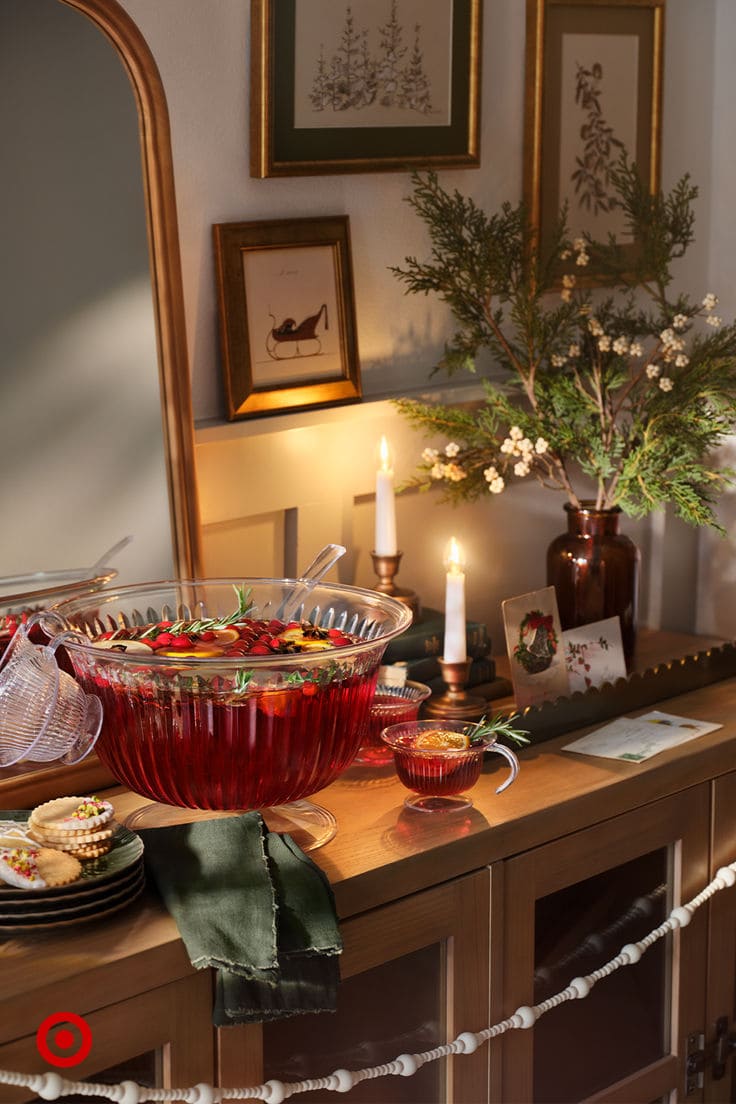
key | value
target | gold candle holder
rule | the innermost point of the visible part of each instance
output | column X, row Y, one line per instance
column 456, row 703
column 386, row 568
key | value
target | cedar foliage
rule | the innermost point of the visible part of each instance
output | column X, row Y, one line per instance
column 639, row 424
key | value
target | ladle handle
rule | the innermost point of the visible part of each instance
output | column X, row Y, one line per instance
column 320, row 565
column 106, row 557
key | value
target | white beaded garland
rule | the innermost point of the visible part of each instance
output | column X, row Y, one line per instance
column 276, row 1092
column 581, row 986
column 131, row 1093
column 726, row 874
column 51, row 1086
column 344, row 1080
column 681, row 916
column 527, row 1016
column 469, row 1042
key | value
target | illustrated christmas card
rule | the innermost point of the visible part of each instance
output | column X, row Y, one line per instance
column 534, row 645
column 594, row 654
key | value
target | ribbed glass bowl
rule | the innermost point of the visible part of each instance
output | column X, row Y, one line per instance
column 23, row 595
column 230, row 733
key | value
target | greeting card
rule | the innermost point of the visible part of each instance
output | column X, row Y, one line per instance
column 594, row 654
column 534, row 645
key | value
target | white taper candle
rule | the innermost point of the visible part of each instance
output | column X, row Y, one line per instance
column 455, row 646
column 385, row 536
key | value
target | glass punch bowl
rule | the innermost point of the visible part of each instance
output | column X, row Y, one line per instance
column 214, row 732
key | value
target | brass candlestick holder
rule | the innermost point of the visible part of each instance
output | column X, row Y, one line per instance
column 386, row 568
column 456, row 703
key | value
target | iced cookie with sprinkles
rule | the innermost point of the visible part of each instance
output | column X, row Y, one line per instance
column 18, row 868
column 37, row 868
column 71, row 814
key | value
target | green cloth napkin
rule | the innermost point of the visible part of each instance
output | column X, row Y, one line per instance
column 253, row 906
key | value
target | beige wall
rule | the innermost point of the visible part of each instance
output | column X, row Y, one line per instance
column 273, row 490
column 320, row 467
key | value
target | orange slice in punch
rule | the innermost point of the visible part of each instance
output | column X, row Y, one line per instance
column 440, row 739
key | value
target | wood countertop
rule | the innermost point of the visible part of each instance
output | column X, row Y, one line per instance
column 381, row 852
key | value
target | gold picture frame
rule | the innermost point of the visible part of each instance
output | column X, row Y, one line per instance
column 364, row 88
column 287, row 315
column 593, row 90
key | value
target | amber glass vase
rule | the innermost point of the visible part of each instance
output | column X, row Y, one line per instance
column 595, row 572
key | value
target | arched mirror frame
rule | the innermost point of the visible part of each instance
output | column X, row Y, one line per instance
column 23, row 787
column 165, row 260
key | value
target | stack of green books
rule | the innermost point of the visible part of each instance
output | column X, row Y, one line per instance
column 419, row 648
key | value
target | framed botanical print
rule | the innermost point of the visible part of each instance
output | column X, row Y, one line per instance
column 364, row 85
column 593, row 93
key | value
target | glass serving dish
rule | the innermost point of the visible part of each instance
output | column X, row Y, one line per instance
column 23, row 595
column 391, row 705
column 225, row 733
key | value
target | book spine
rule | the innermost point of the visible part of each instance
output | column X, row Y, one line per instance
column 415, row 644
column 428, row 670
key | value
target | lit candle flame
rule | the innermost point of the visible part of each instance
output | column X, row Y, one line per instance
column 454, row 558
column 384, row 455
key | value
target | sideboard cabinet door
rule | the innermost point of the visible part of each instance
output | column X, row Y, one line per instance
column 720, row 1019
column 160, row 1039
column 570, row 907
column 415, row 973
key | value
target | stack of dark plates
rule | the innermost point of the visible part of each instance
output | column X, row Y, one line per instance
column 105, row 885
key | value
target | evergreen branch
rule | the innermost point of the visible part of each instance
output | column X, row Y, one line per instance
column 630, row 386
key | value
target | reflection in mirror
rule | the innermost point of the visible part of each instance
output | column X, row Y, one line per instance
column 80, row 418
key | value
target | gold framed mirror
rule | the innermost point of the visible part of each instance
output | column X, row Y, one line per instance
column 40, row 207
column 158, row 177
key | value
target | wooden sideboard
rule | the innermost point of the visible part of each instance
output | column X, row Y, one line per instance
column 451, row 923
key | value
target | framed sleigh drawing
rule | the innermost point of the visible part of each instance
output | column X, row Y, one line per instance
column 287, row 316
column 340, row 86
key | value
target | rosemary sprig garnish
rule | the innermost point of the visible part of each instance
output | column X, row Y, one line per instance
column 242, row 681
column 498, row 726
column 210, row 624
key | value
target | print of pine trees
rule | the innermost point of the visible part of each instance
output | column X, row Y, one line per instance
column 354, row 78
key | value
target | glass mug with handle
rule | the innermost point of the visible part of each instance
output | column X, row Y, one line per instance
column 440, row 760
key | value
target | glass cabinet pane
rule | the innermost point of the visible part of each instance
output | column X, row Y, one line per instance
column 394, row 1008
column 144, row 1069
column 578, row 928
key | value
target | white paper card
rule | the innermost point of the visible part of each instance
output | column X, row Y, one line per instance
column 533, row 642
column 594, row 654
column 634, row 739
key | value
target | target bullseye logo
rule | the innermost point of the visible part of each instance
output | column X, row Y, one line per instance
column 63, row 1039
